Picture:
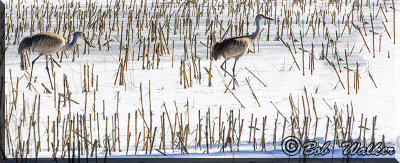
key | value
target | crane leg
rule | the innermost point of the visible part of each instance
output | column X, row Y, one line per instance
column 222, row 67
column 48, row 73
column 234, row 76
column 33, row 62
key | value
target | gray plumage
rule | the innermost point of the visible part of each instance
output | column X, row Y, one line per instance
column 235, row 47
column 47, row 44
column 230, row 48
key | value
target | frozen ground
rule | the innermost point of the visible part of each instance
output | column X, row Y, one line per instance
column 272, row 63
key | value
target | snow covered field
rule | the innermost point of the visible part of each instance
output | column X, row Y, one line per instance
column 195, row 118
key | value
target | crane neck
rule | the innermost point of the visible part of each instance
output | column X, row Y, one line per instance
column 255, row 34
column 71, row 44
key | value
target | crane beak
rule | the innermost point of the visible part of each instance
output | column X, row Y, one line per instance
column 87, row 42
column 267, row 18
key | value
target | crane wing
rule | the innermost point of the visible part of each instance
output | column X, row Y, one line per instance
column 233, row 47
column 47, row 43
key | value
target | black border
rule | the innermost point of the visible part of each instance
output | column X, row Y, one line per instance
column 2, row 79
column 212, row 160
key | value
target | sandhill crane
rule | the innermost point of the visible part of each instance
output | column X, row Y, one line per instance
column 235, row 47
column 47, row 44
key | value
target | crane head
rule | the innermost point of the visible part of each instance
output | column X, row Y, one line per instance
column 78, row 35
column 82, row 36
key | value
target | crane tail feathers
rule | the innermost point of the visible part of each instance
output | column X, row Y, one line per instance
column 216, row 50
column 25, row 44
